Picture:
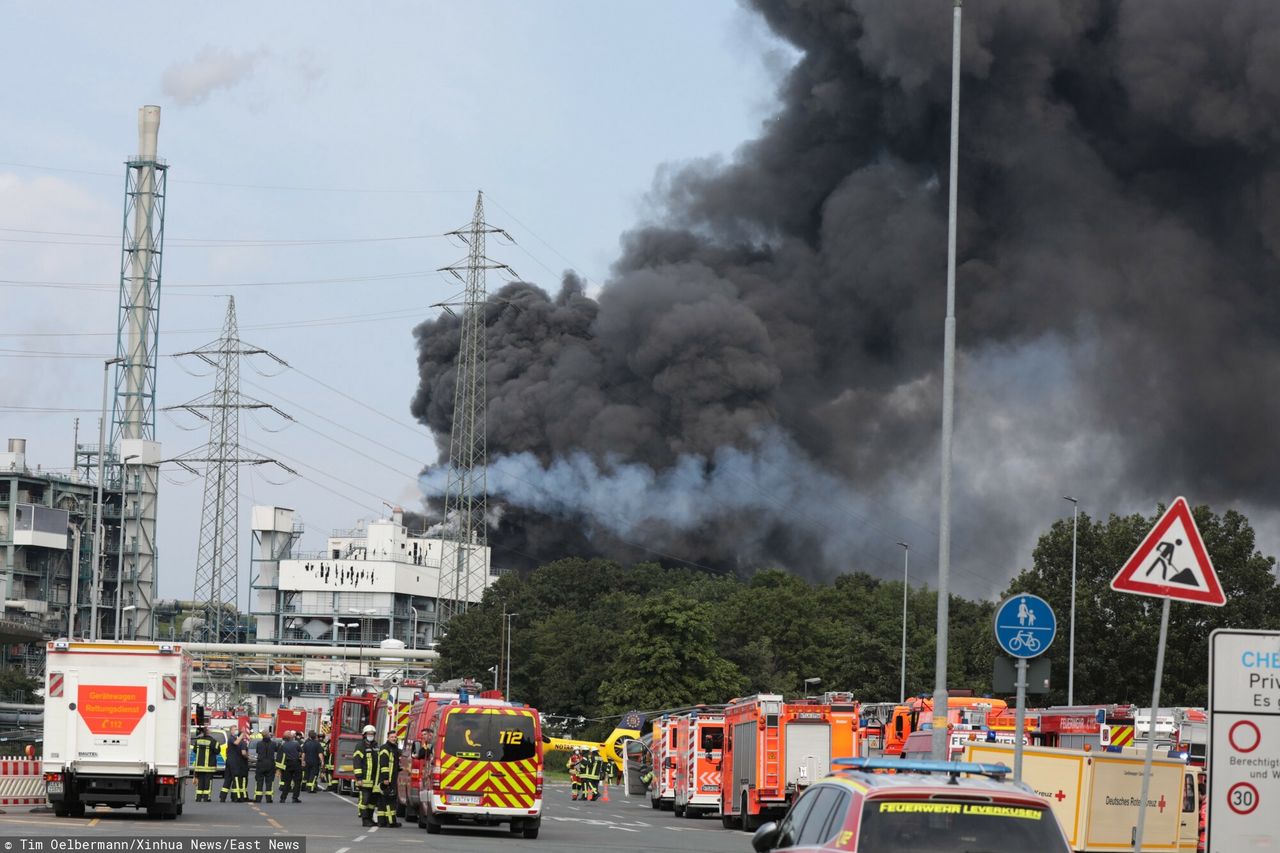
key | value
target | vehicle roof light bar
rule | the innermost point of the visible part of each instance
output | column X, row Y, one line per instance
column 953, row 768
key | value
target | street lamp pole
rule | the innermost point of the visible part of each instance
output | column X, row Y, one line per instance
column 1071, row 642
column 948, row 409
column 97, row 504
column 507, row 668
column 906, row 557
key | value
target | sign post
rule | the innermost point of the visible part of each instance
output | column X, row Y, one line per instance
column 1025, row 628
column 1175, row 549
column 1244, row 740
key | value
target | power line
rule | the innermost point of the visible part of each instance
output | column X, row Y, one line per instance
column 345, row 320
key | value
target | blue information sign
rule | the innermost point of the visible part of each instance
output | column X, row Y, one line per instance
column 1025, row 625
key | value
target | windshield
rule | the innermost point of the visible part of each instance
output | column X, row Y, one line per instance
column 489, row 737
column 930, row 826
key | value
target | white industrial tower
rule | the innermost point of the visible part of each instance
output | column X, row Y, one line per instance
column 133, row 414
column 464, row 569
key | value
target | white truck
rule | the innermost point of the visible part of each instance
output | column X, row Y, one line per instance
column 116, row 726
column 1095, row 795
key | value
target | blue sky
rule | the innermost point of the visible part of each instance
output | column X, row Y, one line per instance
column 310, row 123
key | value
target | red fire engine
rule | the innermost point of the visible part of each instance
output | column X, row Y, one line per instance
column 773, row 751
column 350, row 715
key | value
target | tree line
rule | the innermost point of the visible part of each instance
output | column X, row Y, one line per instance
column 594, row 639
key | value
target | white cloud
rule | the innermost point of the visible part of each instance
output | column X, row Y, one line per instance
column 212, row 69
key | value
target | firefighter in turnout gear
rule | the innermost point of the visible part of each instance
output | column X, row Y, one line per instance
column 205, row 765
column 364, row 762
column 291, row 774
column 311, row 759
column 264, row 771
column 573, row 765
column 590, row 771
column 235, row 775
column 388, row 769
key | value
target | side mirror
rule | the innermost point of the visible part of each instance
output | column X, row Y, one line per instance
column 766, row 837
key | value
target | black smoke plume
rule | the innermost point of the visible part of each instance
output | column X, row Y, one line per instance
column 759, row 381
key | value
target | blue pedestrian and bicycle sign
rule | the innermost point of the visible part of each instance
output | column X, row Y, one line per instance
column 1025, row 625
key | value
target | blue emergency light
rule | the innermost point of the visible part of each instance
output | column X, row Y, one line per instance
column 954, row 768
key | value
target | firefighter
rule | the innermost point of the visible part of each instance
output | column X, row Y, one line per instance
column 264, row 776
column 235, row 775
column 575, row 781
column 205, row 764
column 589, row 770
column 388, row 770
column 364, row 762
column 290, row 760
column 311, row 756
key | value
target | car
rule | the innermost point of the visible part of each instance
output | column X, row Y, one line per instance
column 920, row 807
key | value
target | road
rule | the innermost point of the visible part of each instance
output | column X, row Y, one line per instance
column 329, row 823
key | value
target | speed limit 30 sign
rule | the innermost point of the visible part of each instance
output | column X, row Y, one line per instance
column 1244, row 741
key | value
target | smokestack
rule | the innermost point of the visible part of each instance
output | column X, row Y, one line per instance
column 148, row 132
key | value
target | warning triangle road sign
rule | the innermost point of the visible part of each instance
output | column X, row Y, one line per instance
column 1172, row 562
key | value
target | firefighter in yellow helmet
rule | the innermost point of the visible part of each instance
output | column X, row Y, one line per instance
column 365, row 763
column 388, row 770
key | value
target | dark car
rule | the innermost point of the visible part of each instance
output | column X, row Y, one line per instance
column 921, row 807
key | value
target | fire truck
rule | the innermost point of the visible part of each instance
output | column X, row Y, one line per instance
column 662, row 793
column 699, row 753
column 773, row 750
column 296, row 720
column 961, row 710
column 351, row 714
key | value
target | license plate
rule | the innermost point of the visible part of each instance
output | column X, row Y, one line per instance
column 463, row 800
column 55, row 787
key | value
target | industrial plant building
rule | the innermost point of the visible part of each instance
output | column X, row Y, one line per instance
column 372, row 583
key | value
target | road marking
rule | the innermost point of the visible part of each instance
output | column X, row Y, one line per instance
column 360, row 838
column 272, row 821
column 342, row 850
column 94, row 822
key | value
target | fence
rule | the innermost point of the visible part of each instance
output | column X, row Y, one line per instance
column 21, row 782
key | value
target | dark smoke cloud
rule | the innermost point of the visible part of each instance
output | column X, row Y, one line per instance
column 759, row 380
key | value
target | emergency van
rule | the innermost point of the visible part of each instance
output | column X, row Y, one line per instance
column 413, row 755
column 773, row 751
column 486, row 768
column 1095, row 795
column 699, row 754
column 115, row 726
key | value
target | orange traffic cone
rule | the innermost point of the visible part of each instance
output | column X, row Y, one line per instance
column 604, row 787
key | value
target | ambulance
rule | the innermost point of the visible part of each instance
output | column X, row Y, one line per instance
column 1095, row 795
column 486, row 768
column 699, row 755
column 414, row 753
column 115, row 726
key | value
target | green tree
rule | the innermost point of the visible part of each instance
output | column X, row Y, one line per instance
column 666, row 657
column 17, row 686
column 1117, row 633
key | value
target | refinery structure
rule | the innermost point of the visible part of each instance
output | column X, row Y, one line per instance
column 78, row 554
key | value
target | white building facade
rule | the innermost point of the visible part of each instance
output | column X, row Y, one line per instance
column 374, row 582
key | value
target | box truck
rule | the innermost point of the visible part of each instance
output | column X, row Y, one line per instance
column 115, row 726
column 1095, row 795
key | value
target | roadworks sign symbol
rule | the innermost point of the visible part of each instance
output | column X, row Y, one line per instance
column 1172, row 562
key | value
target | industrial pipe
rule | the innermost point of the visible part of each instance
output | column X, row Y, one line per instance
column 366, row 653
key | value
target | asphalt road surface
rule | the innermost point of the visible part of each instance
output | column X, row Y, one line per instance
column 329, row 824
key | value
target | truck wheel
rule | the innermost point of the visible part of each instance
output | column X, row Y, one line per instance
column 531, row 828
column 60, row 809
column 750, row 822
column 654, row 803
column 77, row 809
column 677, row 809
column 433, row 825
column 728, row 821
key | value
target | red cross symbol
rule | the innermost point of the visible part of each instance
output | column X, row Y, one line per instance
column 1162, row 804
column 1060, row 796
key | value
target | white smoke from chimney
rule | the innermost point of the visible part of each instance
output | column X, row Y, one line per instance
column 211, row 69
